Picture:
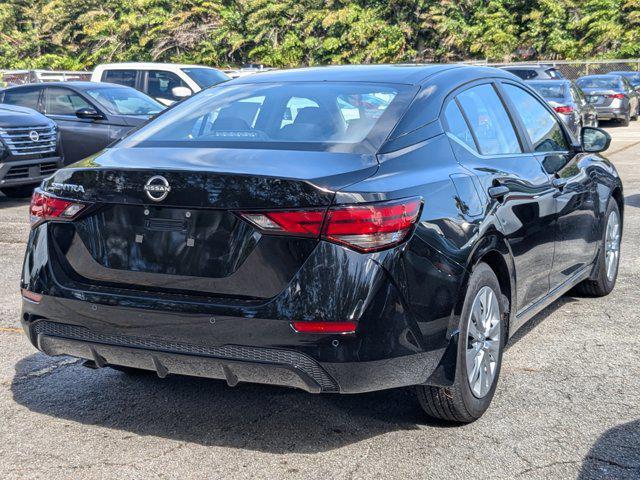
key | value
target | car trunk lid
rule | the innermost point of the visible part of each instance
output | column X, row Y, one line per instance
column 192, row 240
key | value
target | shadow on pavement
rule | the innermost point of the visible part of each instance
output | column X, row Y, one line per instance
column 208, row 412
column 615, row 455
column 633, row 200
column 6, row 202
column 539, row 318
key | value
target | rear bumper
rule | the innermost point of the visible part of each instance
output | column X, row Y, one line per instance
column 25, row 172
column 609, row 113
column 233, row 363
column 252, row 340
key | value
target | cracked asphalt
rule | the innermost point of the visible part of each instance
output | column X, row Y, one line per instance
column 567, row 405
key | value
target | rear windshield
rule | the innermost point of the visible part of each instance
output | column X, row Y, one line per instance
column 633, row 77
column 335, row 116
column 549, row 91
column 609, row 83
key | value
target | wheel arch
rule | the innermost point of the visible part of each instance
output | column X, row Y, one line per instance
column 617, row 195
column 493, row 250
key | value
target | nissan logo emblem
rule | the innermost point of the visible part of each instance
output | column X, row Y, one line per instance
column 34, row 136
column 157, row 188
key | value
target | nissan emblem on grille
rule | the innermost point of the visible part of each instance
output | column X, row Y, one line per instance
column 34, row 136
column 157, row 188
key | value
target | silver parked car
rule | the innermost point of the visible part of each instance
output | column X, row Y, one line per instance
column 613, row 97
column 569, row 102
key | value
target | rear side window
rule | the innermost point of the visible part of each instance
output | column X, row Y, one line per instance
column 23, row 97
column 457, row 125
column 61, row 101
column 489, row 121
column 121, row 77
column 542, row 127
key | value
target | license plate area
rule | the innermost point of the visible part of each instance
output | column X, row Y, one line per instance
column 171, row 241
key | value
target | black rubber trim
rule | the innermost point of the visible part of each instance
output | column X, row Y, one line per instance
column 295, row 360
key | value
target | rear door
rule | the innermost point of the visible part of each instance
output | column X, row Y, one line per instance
column 575, row 194
column 485, row 141
column 81, row 137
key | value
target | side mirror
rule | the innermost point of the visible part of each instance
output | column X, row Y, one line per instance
column 594, row 139
column 181, row 92
column 89, row 114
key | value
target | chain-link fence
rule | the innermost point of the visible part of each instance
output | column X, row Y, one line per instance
column 573, row 69
column 22, row 77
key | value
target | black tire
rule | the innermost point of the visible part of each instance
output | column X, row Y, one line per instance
column 22, row 191
column 458, row 403
column 626, row 120
column 601, row 285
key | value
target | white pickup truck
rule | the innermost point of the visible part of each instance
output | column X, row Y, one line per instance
column 166, row 82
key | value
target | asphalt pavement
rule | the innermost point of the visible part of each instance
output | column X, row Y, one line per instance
column 567, row 406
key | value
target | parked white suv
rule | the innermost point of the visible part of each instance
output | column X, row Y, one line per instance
column 166, row 82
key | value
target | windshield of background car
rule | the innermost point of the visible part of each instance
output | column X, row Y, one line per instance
column 206, row 77
column 319, row 116
column 125, row 101
column 549, row 91
column 608, row 83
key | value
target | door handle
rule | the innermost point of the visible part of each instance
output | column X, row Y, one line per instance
column 498, row 192
column 559, row 183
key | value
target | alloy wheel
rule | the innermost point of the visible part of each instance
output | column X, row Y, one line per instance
column 483, row 342
column 612, row 245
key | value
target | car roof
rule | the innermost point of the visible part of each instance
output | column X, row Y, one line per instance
column 530, row 66
column 411, row 74
column 551, row 81
column 149, row 65
column 624, row 72
column 601, row 75
column 403, row 74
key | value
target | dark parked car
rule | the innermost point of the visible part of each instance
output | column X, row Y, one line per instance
column 633, row 77
column 534, row 72
column 569, row 102
column 284, row 228
column 29, row 150
column 89, row 115
column 613, row 97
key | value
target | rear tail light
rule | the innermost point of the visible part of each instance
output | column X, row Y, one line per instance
column 565, row 109
column 619, row 96
column 366, row 228
column 46, row 207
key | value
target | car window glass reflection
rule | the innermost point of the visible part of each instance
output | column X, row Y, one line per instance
column 489, row 121
column 60, row 101
column 544, row 131
column 458, row 126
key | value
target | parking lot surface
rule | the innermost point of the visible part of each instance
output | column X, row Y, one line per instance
column 567, row 405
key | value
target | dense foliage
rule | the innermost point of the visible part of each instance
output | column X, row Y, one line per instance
column 77, row 34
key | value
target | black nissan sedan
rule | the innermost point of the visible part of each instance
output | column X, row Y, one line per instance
column 338, row 229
